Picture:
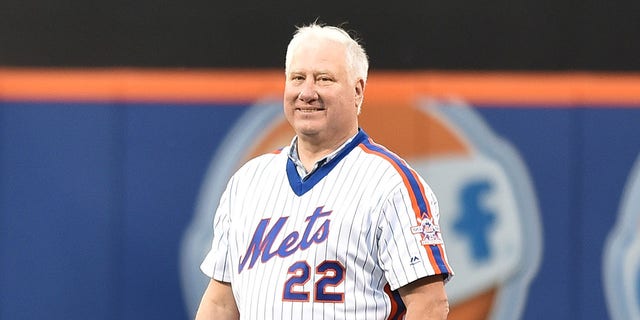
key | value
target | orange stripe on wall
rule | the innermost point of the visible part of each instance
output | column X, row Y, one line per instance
column 139, row 85
column 555, row 88
column 520, row 88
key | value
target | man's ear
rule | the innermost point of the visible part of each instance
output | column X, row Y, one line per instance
column 359, row 92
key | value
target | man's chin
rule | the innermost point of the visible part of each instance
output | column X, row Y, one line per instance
column 308, row 133
column 307, row 128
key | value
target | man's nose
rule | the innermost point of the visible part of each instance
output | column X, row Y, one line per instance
column 308, row 92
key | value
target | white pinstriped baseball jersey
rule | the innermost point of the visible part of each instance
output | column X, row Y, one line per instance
column 335, row 245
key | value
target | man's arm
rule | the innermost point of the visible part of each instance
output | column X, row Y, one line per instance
column 218, row 303
column 425, row 298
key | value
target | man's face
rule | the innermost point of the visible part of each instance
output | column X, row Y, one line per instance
column 320, row 99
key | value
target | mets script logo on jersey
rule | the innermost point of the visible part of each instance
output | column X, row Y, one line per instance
column 429, row 231
column 262, row 245
column 621, row 258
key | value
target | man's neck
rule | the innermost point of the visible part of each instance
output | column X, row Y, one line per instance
column 311, row 150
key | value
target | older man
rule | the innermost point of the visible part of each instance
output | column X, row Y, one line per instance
column 334, row 226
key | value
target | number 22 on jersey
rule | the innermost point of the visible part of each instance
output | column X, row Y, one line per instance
column 331, row 275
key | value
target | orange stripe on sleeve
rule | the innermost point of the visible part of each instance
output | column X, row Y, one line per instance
column 443, row 257
column 405, row 180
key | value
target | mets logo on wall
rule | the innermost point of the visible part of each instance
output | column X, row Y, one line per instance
column 621, row 258
column 489, row 213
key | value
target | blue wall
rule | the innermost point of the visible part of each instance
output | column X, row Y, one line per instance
column 579, row 159
column 95, row 198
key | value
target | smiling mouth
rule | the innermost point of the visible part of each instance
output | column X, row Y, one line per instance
column 309, row 110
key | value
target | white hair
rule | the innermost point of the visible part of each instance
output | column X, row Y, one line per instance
column 356, row 58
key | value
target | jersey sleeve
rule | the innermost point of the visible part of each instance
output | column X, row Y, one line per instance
column 216, row 263
column 410, row 242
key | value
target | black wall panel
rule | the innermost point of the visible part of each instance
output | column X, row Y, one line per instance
column 447, row 35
